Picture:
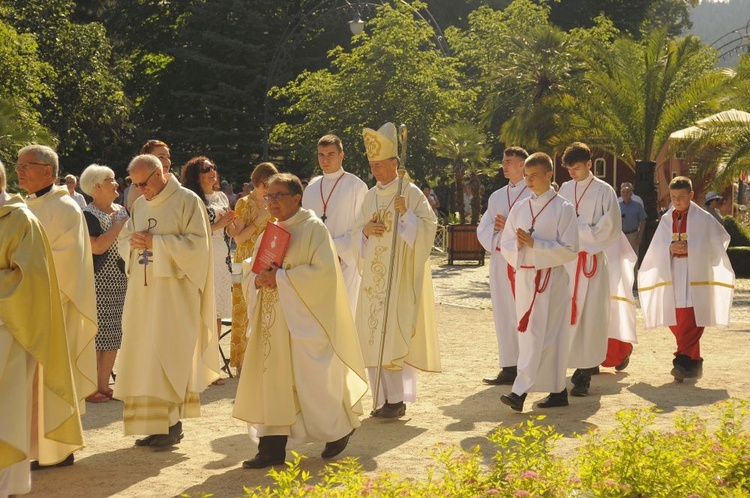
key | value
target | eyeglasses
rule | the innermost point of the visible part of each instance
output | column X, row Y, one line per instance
column 25, row 166
column 143, row 184
column 210, row 167
column 276, row 196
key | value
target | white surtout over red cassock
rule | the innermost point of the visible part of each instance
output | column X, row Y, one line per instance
column 169, row 351
column 501, row 287
column 411, row 331
column 704, row 280
column 342, row 194
column 543, row 347
column 303, row 374
column 37, row 393
column 599, row 226
column 69, row 241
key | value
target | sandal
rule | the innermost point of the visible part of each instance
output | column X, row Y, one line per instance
column 97, row 397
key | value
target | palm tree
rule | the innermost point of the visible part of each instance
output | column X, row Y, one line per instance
column 639, row 93
column 464, row 145
column 539, row 69
column 724, row 139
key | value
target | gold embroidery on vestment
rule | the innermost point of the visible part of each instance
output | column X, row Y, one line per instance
column 268, row 300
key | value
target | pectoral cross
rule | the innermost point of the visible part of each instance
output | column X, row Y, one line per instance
column 144, row 257
column 531, row 230
column 323, row 218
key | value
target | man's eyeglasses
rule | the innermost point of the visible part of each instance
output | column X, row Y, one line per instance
column 276, row 196
column 143, row 184
column 25, row 166
column 206, row 169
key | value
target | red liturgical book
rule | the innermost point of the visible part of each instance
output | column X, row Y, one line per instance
column 272, row 248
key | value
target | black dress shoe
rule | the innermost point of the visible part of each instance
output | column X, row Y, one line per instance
column 391, row 410
column 506, row 377
column 624, row 363
column 555, row 399
column 171, row 439
column 35, row 465
column 581, row 385
column 679, row 373
column 334, row 448
column 263, row 461
column 514, row 401
column 145, row 441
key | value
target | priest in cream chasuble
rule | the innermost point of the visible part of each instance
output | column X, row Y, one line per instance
column 169, row 348
column 303, row 376
column 39, row 416
column 69, row 241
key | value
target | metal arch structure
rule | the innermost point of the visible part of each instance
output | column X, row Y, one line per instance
column 735, row 41
column 309, row 19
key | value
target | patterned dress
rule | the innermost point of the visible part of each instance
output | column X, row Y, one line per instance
column 250, row 212
column 218, row 204
column 110, row 281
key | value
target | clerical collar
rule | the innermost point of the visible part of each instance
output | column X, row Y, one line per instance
column 383, row 187
column 291, row 220
column 514, row 185
column 549, row 192
column 42, row 191
column 335, row 175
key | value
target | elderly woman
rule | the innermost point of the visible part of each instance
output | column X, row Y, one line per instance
column 199, row 175
column 105, row 220
column 251, row 218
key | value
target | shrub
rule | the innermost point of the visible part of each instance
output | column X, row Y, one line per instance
column 631, row 460
column 740, row 259
column 740, row 235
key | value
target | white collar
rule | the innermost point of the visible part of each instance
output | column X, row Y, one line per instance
column 335, row 175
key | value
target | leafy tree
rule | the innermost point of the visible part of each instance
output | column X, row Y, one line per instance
column 631, row 16
column 209, row 97
column 392, row 73
column 22, row 87
column 87, row 108
column 464, row 145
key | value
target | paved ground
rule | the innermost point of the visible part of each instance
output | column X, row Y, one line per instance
column 453, row 407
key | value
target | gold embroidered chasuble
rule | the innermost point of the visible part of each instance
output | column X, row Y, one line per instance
column 69, row 241
column 411, row 332
column 303, row 374
column 169, row 348
column 32, row 318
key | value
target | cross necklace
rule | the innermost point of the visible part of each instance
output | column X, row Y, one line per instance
column 326, row 200
column 535, row 216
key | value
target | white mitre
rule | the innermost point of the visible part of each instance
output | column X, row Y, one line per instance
column 382, row 144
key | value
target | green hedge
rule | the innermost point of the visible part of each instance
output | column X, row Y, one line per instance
column 740, row 236
column 740, row 258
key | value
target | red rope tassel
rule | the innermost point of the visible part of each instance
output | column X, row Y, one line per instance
column 581, row 268
column 524, row 323
column 512, row 278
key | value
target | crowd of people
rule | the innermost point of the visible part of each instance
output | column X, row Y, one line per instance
column 329, row 291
